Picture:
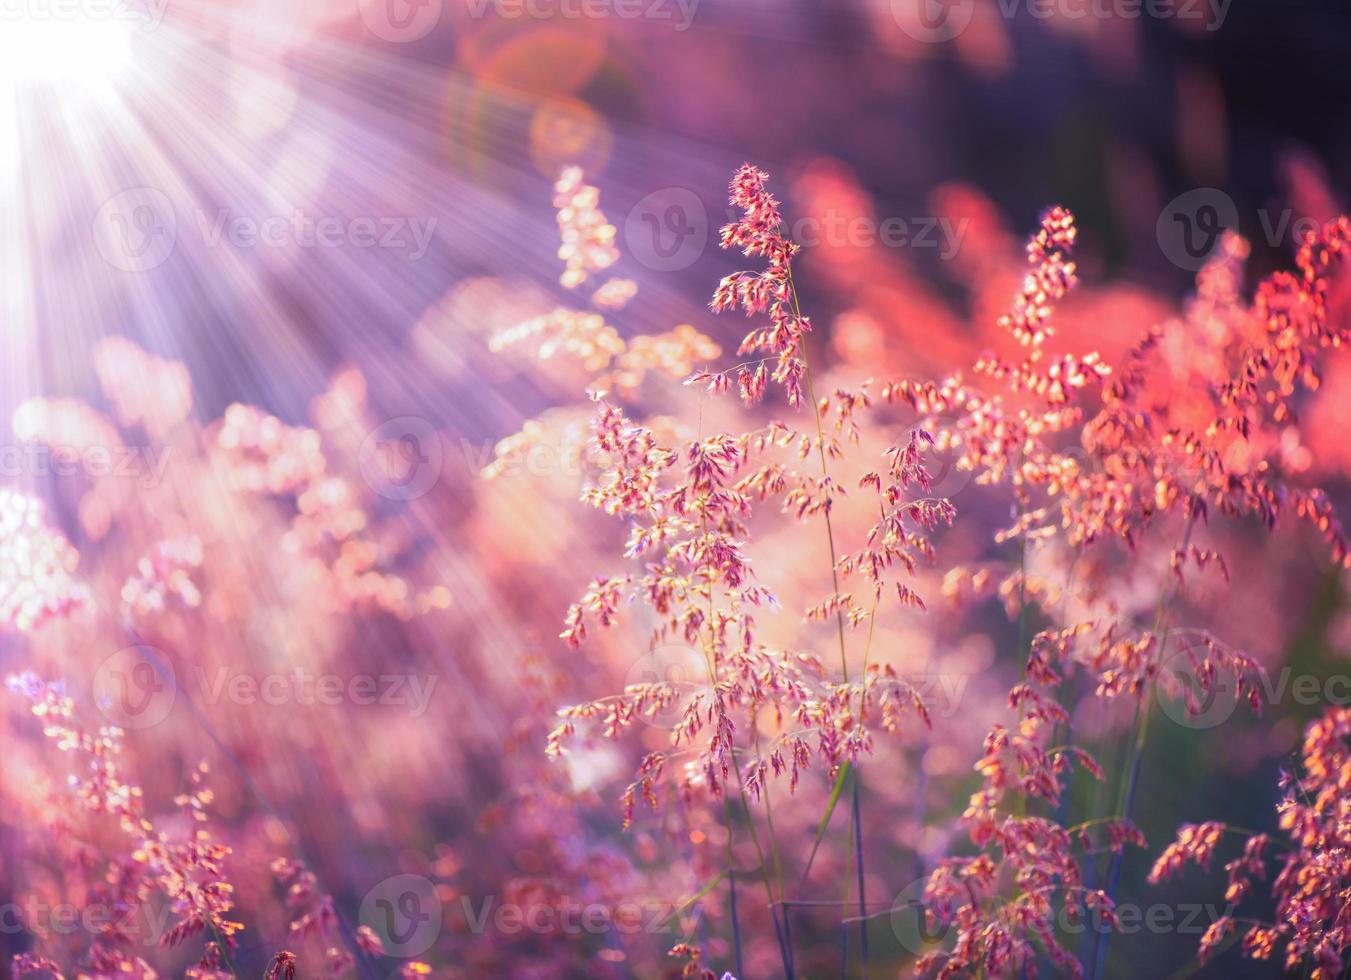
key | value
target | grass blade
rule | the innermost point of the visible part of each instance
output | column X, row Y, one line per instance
column 836, row 792
column 685, row 905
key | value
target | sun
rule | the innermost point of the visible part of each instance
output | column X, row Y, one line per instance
column 61, row 45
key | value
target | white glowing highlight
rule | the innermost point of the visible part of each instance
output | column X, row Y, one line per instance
column 61, row 44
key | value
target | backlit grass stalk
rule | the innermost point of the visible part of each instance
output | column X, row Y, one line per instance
column 1130, row 778
column 855, row 852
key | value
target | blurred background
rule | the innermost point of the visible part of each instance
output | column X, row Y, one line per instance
column 253, row 257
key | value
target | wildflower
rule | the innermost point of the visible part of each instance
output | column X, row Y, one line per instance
column 614, row 294
column 1089, row 453
column 190, row 871
column 369, row 942
column 770, row 292
column 282, row 967
column 145, row 390
column 1312, row 875
column 588, row 238
column 37, row 566
column 164, row 572
column 26, row 964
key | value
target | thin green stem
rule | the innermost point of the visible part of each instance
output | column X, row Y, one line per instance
column 1020, row 801
column 835, row 584
column 825, row 474
column 731, row 885
column 1130, row 774
column 711, row 663
column 712, row 659
column 769, row 819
